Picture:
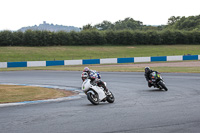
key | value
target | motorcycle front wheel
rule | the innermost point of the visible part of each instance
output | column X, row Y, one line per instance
column 111, row 98
column 163, row 86
column 93, row 98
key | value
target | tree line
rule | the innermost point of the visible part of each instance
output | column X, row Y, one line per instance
column 174, row 23
column 184, row 23
column 179, row 30
column 94, row 37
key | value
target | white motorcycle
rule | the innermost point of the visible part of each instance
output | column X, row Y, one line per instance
column 96, row 94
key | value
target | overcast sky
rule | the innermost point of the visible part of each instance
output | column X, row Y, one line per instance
column 15, row 14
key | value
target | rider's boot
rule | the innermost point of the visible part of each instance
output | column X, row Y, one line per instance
column 149, row 84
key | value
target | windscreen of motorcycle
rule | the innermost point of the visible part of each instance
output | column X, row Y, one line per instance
column 86, row 85
column 153, row 74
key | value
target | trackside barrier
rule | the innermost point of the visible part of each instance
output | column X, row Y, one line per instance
column 98, row 61
column 91, row 61
column 142, row 59
column 125, row 60
column 3, row 64
column 191, row 57
column 159, row 58
column 73, row 62
column 108, row 60
column 174, row 58
column 36, row 63
column 17, row 64
column 55, row 63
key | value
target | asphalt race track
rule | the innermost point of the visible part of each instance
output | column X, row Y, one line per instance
column 137, row 109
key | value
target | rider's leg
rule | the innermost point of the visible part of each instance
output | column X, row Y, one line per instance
column 101, row 83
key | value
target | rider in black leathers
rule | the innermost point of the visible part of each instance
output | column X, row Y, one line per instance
column 147, row 75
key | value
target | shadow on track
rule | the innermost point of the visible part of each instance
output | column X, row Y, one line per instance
column 154, row 90
column 100, row 104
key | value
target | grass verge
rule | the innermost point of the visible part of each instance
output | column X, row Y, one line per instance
column 15, row 93
column 12, row 54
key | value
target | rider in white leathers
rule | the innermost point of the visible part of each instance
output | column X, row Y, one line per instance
column 95, row 78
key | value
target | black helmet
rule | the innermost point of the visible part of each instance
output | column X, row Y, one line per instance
column 147, row 69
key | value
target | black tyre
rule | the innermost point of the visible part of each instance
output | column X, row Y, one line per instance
column 93, row 98
column 163, row 86
column 111, row 98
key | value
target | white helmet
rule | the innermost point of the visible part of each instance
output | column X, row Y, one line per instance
column 84, row 75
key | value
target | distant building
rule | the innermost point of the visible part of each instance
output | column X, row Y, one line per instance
column 50, row 27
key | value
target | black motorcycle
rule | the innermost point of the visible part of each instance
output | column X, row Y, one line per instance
column 157, row 81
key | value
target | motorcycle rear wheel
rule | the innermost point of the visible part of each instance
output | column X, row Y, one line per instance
column 93, row 98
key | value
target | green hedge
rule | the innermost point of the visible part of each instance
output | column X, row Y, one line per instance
column 94, row 37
